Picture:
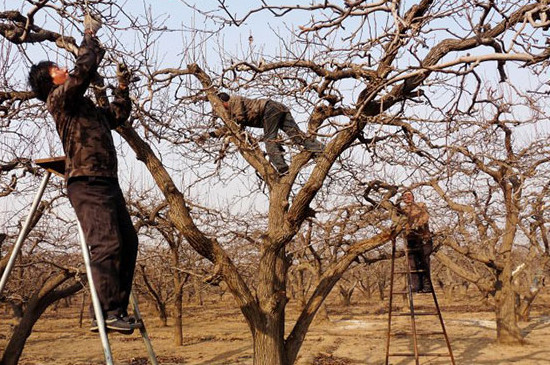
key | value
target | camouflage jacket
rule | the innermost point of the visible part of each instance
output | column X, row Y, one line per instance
column 417, row 220
column 247, row 112
column 84, row 128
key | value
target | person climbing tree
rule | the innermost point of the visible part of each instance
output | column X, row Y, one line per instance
column 271, row 116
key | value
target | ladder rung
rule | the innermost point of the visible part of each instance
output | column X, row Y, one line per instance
column 435, row 333
column 417, row 314
column 412, row 271
column 401, row 292
column 438, row 354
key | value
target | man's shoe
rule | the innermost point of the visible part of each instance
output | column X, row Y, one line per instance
column 283, row 170
column 426, row 286
column 120, row 324
column 133, row 321
column 124, row 325
column 128, row 318
column 94, row 327
column 425, row 289
column 316, row 148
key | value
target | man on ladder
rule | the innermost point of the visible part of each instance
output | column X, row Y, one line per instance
column 91, row 171
column 418, row 250
column 419, row 242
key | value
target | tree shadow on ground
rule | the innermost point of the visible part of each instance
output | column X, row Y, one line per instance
column 535, row 324
column 224, row 356
column 473, row 350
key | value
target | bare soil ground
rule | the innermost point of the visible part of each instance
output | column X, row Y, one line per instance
column 217, row 334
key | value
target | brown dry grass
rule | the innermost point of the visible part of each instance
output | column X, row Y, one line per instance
column 216, row 334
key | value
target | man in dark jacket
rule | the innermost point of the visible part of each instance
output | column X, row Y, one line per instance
column 271, row 116
column 419, row 242
column 91, row 172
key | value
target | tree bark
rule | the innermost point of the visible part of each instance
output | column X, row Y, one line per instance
column 178, row 322
column 508, row 331
column 268, row 340
column 269, row 328
column 38, row 303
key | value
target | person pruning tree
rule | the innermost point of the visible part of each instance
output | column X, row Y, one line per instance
column 272, row 116
column 419, row 242
column 91, row 170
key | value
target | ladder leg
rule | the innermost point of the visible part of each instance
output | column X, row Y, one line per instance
column 95, row 299
column 143, row 330
column 447, row 341
column 24, row 230
column 411, row 306
column 388, row 339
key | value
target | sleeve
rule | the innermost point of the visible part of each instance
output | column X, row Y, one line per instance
column 237, row 109
column 218, row 132
column 423, row 216
column 119, row 109
column 90, row 55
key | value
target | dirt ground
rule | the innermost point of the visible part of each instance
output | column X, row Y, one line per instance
column 216, row 334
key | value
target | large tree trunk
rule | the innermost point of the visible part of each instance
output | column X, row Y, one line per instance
column 269, row 327
column 43, row 297
column 508, row 331
column 268, row 340
column 178, row 323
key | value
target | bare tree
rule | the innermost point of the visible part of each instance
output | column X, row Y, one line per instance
column 491, row 210
column 358, row 70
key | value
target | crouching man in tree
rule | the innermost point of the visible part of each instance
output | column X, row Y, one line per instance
column 91, row 171
column 419, row 242
column 271, row 116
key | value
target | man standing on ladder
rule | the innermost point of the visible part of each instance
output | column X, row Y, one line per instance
column 419, row 242
column 91, row 171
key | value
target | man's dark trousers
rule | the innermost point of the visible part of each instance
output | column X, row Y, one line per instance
column 277, row 116
column 110, row 234
column 420, row 249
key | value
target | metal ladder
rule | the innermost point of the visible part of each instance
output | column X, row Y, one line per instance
column 413, row 314
column 56, row 165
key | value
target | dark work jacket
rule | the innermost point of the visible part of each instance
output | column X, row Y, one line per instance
column 247, row 112
column 84, row 128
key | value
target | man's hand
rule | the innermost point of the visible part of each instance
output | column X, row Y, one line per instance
column 91, row 25
column 202, row 138
column 123, row 75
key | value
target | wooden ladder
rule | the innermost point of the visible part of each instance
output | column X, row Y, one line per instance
column 413, row 315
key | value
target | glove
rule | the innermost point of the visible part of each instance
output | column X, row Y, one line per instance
column 201, row 139
column 123, row 75
column 91, row 25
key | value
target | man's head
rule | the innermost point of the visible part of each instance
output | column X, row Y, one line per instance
column 225, row 99
column 407, row 197
column 44, row 76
